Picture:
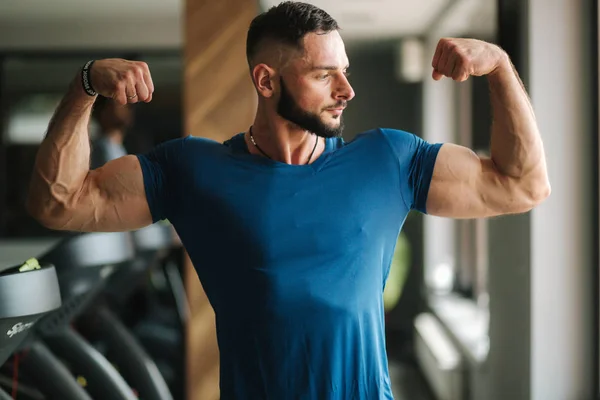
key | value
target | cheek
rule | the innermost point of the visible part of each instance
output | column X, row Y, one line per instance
column 313, row 103
column 311, row 94
column 316, row 98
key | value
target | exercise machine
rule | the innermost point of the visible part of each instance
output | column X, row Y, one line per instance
column 104, row 324
column 28, row 292
column 84, row 263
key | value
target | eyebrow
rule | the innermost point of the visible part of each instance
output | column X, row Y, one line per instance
column 327, row 67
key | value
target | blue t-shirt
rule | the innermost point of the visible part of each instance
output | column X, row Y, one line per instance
column 294, row 258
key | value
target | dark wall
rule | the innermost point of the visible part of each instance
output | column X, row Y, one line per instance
column 382, row 100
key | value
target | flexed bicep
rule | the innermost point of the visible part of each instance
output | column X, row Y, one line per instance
column 118, row 189
column 465, row 185
column 112, row 198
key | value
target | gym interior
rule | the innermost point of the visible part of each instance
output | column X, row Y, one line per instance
column 483, row 309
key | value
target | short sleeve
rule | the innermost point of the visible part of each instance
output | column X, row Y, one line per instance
column 159, row 168
column 416, row 160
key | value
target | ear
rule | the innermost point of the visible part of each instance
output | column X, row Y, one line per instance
column 264, row 79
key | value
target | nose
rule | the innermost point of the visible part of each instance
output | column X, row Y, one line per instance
column 344, row 90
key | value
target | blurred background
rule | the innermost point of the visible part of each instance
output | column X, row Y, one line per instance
column 502, row 308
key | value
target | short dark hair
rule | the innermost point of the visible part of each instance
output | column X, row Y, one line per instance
column 287, row 23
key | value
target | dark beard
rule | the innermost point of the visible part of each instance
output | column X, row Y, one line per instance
column 288, row 109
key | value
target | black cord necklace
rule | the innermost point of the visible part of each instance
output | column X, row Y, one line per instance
column 266, row 155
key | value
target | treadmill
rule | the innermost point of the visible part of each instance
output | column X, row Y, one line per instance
column 164, row 318
column 103, row 325
column 84, row 263
column 27, row 293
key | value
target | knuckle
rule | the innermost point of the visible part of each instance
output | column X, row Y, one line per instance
column 138, row 72
column 121, row 79
column 448, row 43
column 129, row 74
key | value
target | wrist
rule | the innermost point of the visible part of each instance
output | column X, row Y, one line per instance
column 76, row 89
column 86, row 79
column 503, row 66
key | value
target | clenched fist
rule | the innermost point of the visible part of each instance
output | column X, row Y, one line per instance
column 460, row 58
column 122, row 80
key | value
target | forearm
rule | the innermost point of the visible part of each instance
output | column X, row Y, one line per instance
column 516, row 145
column 63, row 158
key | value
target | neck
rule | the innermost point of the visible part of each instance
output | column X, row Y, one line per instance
column 284, row 142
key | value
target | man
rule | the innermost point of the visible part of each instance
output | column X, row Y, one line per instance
column 290, row 229
column 113, row 122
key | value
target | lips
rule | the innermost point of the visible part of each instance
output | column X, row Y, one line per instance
column 340, row 107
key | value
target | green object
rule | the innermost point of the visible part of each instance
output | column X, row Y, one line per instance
column 398, row 273
column 30, row 265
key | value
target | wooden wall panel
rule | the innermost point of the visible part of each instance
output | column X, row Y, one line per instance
column 219, row 101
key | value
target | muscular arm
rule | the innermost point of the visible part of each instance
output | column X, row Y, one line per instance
column 514, row 179
column 65, row 195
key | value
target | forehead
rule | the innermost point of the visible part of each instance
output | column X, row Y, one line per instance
column 323, row 50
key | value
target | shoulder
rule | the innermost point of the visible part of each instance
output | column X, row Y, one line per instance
column 188, row 146
column 395, row 138
column 199, row 142
column 195, row 143
column 405, row 143
column 405, row 147
column 385, row 134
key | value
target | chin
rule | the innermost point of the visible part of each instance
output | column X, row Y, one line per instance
column 332, row 121
column 333, row 125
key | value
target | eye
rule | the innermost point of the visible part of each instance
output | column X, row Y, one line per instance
column 347, row 73
column 323, row 77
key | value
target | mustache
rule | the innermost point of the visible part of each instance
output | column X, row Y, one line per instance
column 341, row 104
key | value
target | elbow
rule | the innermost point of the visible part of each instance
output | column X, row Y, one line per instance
column 49, row 216
column 43, row 218
column 52, row 205
column 544, row 193
column 534, row 194
column 539, row 191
